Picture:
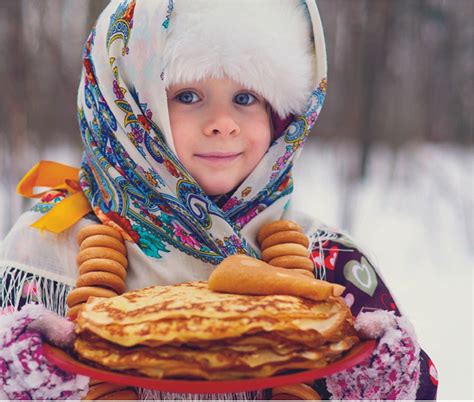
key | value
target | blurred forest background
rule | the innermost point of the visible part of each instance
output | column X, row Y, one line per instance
column 399, row 72
column 391, row 158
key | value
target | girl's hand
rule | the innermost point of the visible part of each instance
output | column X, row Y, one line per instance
column 393, row 370
column 25, row 373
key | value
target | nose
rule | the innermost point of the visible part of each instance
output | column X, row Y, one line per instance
column 221, row 122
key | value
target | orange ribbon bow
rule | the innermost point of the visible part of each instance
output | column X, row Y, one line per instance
column 56, row 176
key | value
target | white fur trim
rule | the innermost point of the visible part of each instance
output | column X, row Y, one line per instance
column 373, row 324
column 264, row 45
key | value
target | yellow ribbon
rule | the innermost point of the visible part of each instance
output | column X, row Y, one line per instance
column 56, row 176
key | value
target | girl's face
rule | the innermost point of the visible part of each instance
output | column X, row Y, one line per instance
column 221, row 131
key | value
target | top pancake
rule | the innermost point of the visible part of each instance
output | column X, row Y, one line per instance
column 190, row 312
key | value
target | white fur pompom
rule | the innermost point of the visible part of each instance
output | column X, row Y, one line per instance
column 374, row 324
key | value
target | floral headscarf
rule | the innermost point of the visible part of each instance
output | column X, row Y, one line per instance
column 130, row 172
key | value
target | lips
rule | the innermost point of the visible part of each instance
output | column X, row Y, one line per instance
column 218, row 154
column 218, row 158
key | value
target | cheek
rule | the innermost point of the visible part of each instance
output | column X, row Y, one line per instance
column 260, row 138
column 181, row 133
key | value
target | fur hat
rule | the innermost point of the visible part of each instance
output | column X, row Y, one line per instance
column 265, row 45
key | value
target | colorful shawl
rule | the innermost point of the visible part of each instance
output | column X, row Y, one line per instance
column 130, row 172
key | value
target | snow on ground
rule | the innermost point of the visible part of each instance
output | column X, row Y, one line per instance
column 412, row 212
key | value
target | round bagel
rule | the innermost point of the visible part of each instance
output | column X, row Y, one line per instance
column 280, row 250
column 302, row 391
column 103, row 264
column 276, row 226
column 292, row 261
column 72, row 312
column 287, row 236
column 106, row 279
column 101, row 252
column 104, row 241
column 80, row 295
column 98, row 229
column 284, row 397
column 124, row 395
column 101, row 389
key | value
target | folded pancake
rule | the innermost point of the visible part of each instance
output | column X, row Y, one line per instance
column 188, row 330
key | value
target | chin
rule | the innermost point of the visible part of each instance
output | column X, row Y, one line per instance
column 217, row 188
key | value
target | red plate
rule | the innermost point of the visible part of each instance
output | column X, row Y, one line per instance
column 66, row 362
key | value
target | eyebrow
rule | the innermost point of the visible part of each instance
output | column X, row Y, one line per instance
column 174, row 91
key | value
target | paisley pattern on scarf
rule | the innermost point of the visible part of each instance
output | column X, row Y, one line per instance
column 130, row 174
column 120, row 24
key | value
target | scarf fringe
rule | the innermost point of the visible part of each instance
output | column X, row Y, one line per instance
column 52, row 294
column 152, row 395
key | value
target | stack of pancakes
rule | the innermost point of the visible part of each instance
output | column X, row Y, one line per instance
column 189, row 331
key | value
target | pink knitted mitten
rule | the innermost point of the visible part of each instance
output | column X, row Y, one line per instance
column 24, row 371
column 393, row 370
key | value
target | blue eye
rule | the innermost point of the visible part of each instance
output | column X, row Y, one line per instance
column 188, row 97
column 245, row 98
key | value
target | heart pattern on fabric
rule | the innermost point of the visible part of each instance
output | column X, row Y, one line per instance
column 387, row 301
column 433, row 373
column 329, row 260
column 349, row 299
column 362, row 275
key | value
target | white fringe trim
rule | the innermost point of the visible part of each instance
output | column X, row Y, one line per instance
column 50, row 292
column 4, row 264
column 153, row 395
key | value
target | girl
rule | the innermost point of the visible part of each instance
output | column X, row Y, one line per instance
column 192, row 115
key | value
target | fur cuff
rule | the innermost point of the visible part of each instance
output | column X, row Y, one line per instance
column 393, row 370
